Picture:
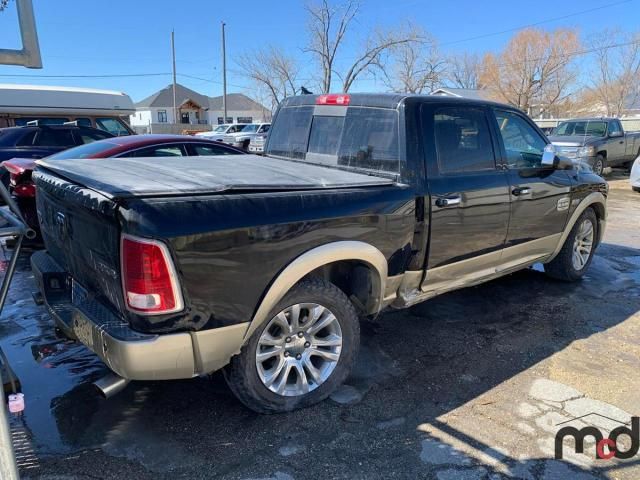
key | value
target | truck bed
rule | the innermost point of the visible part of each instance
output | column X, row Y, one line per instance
column 121, row 178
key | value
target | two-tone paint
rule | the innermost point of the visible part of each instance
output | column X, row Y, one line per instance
column 239, row 248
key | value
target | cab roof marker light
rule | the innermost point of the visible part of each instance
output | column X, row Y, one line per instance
column 334, row 99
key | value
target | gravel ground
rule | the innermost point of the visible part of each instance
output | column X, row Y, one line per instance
column 470, row 385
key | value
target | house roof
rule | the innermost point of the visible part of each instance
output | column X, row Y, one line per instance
column 235, row 101
column 164, row 98
column 461, row 92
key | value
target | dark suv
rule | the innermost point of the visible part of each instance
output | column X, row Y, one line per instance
column 35, row 141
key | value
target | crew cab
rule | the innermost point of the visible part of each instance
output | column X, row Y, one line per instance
column 244, row 137
column 599, row 142
column 220, row 132
column 262, row 266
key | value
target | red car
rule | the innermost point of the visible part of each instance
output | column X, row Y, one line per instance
column 23, row 189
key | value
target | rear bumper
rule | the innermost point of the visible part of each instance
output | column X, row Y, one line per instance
column 130, row 354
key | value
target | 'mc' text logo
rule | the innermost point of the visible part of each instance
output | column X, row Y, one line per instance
column 606, row 447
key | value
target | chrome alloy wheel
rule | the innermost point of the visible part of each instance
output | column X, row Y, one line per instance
column 299, row 349
column 583, row 244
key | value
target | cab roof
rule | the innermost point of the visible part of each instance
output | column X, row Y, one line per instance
column 389, row 100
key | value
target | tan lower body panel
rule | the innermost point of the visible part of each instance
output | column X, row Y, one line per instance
column 473, row 271
column 214, row 348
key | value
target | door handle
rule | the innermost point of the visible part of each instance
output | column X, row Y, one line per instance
column 520, row 191
column 451, row 201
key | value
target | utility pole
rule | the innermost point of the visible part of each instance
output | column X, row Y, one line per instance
column 173, row 55
column 224, row 77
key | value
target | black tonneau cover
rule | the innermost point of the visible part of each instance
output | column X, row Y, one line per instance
column 121, row 178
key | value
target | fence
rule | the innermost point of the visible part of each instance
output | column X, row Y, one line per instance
column 171, row 128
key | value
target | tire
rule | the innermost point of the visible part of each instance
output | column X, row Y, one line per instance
column 563, row 267
column 246, row 372
column 245, row 145
column 599, row 165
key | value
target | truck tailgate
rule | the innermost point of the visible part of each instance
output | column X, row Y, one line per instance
column 81, row 232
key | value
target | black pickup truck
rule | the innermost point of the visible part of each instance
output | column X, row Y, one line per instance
column 598, row 142
column 262, row 266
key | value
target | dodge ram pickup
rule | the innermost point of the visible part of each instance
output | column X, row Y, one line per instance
column 263, row 266
column 599, row 142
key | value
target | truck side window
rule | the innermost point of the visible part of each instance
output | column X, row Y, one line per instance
column 523, row 144
column 463, row 141
column 615, row 127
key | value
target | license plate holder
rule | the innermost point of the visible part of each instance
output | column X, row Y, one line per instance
column 79, row 294
column 81, row 327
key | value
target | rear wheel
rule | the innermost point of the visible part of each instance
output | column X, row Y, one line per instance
column 577, row 252
column 301, row 354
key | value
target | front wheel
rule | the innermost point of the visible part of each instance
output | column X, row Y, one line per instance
column 301, row 354
column 598, row 165
column 577, row 252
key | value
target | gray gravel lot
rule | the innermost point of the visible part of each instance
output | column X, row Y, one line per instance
column 470, row 385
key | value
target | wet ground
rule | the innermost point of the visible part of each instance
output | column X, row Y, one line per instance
column 470, row 385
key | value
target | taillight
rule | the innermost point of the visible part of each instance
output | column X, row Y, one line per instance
column 24, row 190
column 333, row 99
column 149, row 279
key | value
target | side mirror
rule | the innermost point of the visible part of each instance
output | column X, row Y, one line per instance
column 549, row 156
column 550, row 159
column 615, row 134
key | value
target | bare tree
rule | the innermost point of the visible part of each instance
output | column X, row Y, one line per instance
column 534, row 71
column 417, row 66
column 463, row 71
column 616, row 78
column 3, row 4
column 274, row 73
column 328, row 27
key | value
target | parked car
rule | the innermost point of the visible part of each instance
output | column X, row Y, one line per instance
column 221, row 131
column 634, row 177
column 244, row 137
column 21, row 184
column 261, row 266
column 547, row 130
column 87, row 107
column 600, row 142
column 257, row 143
column 38, row 141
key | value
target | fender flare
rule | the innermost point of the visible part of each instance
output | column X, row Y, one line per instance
column 591, row 199
column 318, row 257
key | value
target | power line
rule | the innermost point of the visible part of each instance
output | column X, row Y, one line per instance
column 535, row 24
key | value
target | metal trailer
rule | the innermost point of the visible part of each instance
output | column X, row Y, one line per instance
column 12, row 225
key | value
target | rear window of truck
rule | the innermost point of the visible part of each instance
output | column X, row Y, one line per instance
column 364, row 138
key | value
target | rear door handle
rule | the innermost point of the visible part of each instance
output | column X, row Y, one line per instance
column 520, row 191
column 450, row 201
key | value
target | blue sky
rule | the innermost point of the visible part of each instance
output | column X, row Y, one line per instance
column 116, row 37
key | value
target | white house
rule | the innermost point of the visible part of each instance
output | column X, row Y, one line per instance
column 194, row 110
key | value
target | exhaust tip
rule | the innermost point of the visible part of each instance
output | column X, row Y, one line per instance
column 111, row 384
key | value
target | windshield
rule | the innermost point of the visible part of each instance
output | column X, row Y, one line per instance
column 221, row 129
column 591, row 128
column 84, row 151
column 251, row 128
column 363, row 138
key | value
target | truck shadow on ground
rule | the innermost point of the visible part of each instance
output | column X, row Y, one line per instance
column 415, row 367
